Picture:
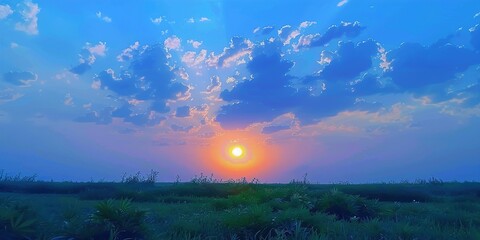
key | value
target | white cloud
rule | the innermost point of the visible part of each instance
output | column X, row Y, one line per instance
column 195, row 44
column 215, row 85
column 256, row 29
column 14, row 45
column 30, row 19
column 5, row 11
column 287, row 34
column 307, row 24
column 172, row 42
column 231, row 80
column 127, row 53
column 157, row 20
column 341, row 3
column 304, row 40
column 475, row 16
column 202, row 19
column 103, row 17
column 100, row 49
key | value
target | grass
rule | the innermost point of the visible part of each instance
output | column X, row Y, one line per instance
column 205, row 208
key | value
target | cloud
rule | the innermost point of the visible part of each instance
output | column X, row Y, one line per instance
column 307, row 24
column 172, row 42
column 192, row 59
column 103, row 17
column 14, row 45
column 270, row 93
column 23, row 79
column 201, row 19
column 8, row 95
column 195, row 44
column 178, row 128
column 102, row 117
column 349, row 61
column 264, row 31
column 238, row 49
column 287, row 33
column 215, row 85
column 30, row 19
column 274, row 129
column 346, row 29
column 182, row 112
column 148, row 78
column 158, row 20
column 5, row 11
column 414, row 66
column 129, row 52
column 341, row 3
column 89, row 56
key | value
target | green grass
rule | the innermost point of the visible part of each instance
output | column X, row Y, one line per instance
column 138, row 208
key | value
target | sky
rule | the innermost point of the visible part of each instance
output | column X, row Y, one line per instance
column 343, row 91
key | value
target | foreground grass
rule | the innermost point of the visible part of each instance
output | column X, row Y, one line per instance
column 238, row 210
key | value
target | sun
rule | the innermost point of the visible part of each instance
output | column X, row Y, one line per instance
column 237, row 151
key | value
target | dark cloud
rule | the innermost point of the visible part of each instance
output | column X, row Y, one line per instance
column 346, row 29
column 148, row 78
column 182, row 112
column 350, row 60
column 178, row 128
column 414, row 66
column 274, row 129
column 264, row 97
column 19, row 78
column 80, row 68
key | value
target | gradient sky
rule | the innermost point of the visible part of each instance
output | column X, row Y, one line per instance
column 357, row 91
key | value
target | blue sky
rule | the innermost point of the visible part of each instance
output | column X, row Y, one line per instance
column 356, row 91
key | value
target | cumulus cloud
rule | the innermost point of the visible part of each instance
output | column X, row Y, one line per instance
column 414, row 66
column 5, row 11
column 204, row 19
column 148, row 79
column 29, row 24
column 103, row 17
column 193, row 59
column 129, row 52
column 307, row 24
column 215, row 85
column 201, row 19
column 346, row 29
column 195, row 44
column 182, row 112
column 235, row 53
column 23, row 79
column 89, row 56
column 349, row 61
column 287, row 33
column 172, row 42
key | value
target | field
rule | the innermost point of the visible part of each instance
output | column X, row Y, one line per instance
column 204, row 208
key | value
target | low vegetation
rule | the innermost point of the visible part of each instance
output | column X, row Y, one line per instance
column 206, row 208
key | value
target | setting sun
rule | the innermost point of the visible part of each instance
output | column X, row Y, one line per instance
column 237, row 151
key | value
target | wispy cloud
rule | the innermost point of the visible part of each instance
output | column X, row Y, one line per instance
column 341, row 3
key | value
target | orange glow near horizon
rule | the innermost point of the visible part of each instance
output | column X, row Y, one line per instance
column 236, row 154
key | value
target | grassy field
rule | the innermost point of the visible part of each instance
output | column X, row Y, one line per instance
column 139, row 208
